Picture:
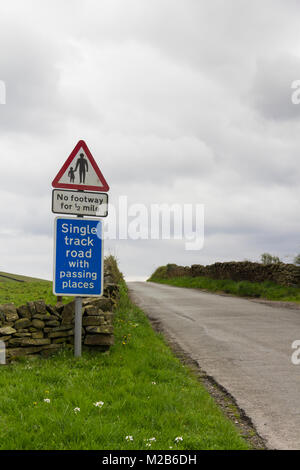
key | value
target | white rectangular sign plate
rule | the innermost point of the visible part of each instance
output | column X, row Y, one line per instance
column 80, row 203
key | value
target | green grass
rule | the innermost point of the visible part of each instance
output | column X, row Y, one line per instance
column 22, row 292
column 265, row 290
column 6, row 277
column 146, row 392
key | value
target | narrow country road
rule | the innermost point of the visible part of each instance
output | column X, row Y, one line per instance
column 244, row 345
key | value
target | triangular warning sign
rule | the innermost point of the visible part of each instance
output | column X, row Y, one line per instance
column 80, row 171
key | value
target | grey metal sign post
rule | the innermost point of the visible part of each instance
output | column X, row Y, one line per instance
column 2, row 353
column 78, row 323
column 78, row 326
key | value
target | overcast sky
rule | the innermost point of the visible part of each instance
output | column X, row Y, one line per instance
column 183, row 101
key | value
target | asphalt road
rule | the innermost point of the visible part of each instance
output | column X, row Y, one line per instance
column 244, row 345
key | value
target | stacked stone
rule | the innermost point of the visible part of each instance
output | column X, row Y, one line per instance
column 173, row 270
column 280, row 273
column 97, row 322
column 39, row 328
column 111, row 291
column 24, row 329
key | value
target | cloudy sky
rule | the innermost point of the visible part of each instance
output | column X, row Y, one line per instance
column 185, row 101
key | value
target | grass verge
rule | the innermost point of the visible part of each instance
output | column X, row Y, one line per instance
column 264, row 290
column 146, row 393
column 22, row 292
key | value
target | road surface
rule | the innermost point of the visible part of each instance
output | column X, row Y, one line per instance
column 244, row 345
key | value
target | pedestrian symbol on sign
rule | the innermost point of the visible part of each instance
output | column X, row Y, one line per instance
column 83, row 166
column 71, row 174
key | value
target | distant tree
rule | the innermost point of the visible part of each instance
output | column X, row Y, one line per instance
column 266, row 258
column 297, row 259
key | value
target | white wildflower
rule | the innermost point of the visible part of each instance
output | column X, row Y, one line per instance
column 47, row 400
column 129, row 438
column 99, row 404
column 76, row 410
column 179, row 438
column 149, row 441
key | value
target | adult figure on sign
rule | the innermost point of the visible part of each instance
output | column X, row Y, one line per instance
column 82, row 164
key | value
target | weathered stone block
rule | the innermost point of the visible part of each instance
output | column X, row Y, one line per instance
column 32, row 329
column 51, row 318
column 108, row 316
column 60, row 334
column 38, row 334
column 31, row 307
column 57, row 328
column 68, row 313
column 44, row 316
column 91, row 310
column 5, row 338
column 103, row 302
column 16, row 352
column 52, row 323
column 59, row 307
column 22, row 323
column 10, row 312
column 24, row 311
column 100, row 329
column 92, row 321
column 112, row 289
column 39, row 324
column 29, row 341
column 40, row 307
column 7, row 330
column 52, row 310
column 99, row 340
column 59, row 340
column 36, row 342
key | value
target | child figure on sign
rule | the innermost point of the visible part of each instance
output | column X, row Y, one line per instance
column 71, row 175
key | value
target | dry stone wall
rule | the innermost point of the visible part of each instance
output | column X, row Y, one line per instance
column 281, row 273
column 37, row 328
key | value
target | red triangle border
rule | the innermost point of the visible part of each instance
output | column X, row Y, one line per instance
column 82, row 187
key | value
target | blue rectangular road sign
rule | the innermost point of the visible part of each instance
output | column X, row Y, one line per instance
column 78, row 257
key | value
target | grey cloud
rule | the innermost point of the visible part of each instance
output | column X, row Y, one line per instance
column 185, row 101
column 271, row 93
